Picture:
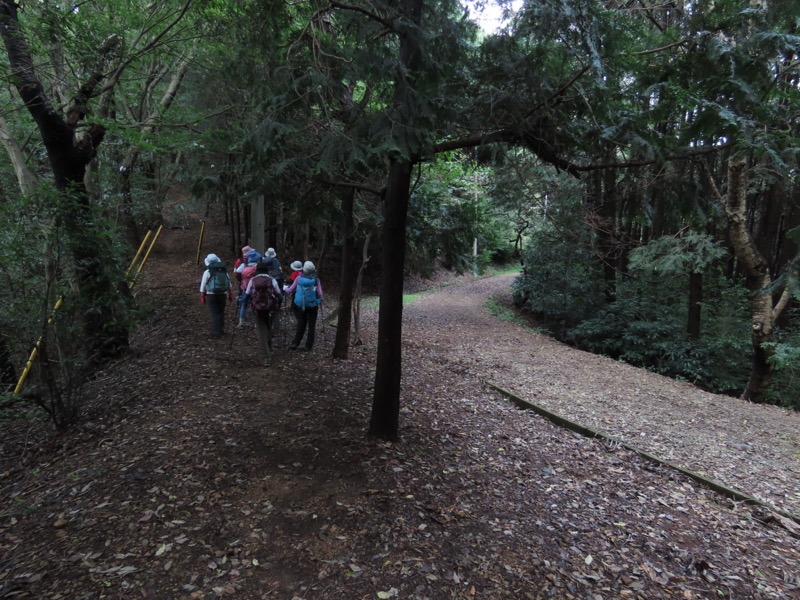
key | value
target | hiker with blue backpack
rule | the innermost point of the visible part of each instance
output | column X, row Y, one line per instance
column 307, row 291
column 264, row 296
column 215, row 287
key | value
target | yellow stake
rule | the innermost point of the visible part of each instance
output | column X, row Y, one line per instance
column 139, row 251
column 146, row 256
column 200, row 241
column 35, row 351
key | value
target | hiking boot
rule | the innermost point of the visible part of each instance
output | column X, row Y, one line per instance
column 266, row 362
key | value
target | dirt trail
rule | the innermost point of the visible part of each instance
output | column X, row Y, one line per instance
column 749, row 447
column 197, row 473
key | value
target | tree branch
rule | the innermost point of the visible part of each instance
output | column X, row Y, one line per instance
column 355, row 185
column 51, row 126
column 544, row 151
column 363, row 11
column 662, row 48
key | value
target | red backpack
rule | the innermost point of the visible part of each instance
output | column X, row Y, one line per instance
column 247, row 275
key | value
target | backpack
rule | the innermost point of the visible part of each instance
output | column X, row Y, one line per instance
column 218, row 280
column 264, row 297
column 305, row 294
column 247, row 274
column 274, row 270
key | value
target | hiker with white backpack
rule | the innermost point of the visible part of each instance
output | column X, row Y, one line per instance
column 264, row 296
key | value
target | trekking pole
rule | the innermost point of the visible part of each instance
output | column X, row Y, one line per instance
column 322, row 320
column 278, row 323
column 290, row 319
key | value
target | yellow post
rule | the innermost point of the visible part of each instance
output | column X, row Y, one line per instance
column 146, row 256
column 200, row 241
column 139, row 251
column 35, row 351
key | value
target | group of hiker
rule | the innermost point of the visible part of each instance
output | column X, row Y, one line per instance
column 264, row 289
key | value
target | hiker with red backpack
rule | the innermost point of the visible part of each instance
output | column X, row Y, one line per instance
column 247, row 269
column 264, row 296
column 241, row 262
column 215, row 286
column 307, row 291
column 297, row 270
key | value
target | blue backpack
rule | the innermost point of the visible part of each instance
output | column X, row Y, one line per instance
column 306, row 293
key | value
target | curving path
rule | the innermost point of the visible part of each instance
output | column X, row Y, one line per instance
column 751, row 448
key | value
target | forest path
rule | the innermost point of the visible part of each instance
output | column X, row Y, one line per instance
column 752, row 448
column 196, row 473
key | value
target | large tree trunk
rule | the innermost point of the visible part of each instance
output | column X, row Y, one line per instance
column 385, row 419
column 384, row 422
column 341, row 346
column 756, row 267
column 69, row 155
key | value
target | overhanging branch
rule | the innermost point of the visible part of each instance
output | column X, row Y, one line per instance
column 544, row 151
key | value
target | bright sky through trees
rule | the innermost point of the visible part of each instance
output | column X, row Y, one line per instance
column 489, row 14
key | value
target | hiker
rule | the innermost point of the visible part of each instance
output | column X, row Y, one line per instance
column 241, row 262
column 265, row 295
column 247, row 269
column 297, row 269
column 274, row 266
column 215, row 286
column 307, row 291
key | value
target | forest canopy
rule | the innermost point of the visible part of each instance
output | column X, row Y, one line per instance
column 639, row 159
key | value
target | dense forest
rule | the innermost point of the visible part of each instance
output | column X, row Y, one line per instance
column 640, row 159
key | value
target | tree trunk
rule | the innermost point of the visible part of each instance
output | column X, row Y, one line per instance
column 384, row 422
column 385, row 419
column 25, row 177
column 8, row 374
column 305, row 245
column 359, row 280
column 237, row 236
column 607, row 212
column 106, row 336
column 323, row 248
column 231, row 222
column 757, row 270
column 695, row 308
column 341, row 345
column 271, row 233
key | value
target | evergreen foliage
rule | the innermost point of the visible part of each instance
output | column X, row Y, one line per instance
column 645, row 325
column 644, row 106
